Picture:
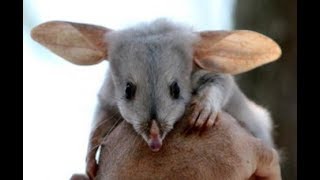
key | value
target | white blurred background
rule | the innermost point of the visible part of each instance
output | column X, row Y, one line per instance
column 59, row 98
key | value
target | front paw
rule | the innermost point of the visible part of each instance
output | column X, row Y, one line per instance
column 201, row 115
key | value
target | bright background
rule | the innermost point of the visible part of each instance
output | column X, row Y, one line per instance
column 59, row 97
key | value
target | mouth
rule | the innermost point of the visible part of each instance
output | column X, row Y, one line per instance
column 155, row 141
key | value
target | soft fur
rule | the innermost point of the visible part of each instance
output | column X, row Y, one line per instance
column 151, row 56
column 154, row 55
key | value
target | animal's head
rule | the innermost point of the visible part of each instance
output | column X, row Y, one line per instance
column 151, row 64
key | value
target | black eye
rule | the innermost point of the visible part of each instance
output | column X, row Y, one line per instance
column 130, row 90
column 174, row 90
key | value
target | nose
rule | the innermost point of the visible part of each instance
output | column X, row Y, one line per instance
column 155, row 141
column 155, row 145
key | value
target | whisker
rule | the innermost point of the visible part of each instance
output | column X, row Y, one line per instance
column 105, row 136
column 100, row 123
column 113, row 126
column 171, row 109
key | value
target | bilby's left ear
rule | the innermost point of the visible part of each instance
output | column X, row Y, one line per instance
column 234, row 52
column 81, row 44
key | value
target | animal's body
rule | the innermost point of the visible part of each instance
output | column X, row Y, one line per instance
column 159, row 70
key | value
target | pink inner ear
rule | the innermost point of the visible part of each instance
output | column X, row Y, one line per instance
column 81, row 44
column 234, row 52
column 209, row 65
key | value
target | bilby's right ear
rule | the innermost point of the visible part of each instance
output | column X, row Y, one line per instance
column 234, row 52
column 81, row 44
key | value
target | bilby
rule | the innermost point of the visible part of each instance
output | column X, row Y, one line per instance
column 158, row 69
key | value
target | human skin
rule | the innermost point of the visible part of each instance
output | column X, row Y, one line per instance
column 225, row 151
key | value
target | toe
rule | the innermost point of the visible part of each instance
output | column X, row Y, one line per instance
column 201, row 121
column 194, row 115
column 211, row 120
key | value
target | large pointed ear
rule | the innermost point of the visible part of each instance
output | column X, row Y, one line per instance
column 81, row 44
column 234, row 52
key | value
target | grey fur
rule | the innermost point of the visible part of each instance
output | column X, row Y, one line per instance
column 222, row 93
column 152, row 56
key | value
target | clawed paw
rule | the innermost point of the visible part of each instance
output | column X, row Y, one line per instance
column 201, row 116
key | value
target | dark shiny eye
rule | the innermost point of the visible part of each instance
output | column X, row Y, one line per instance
column 174, row 90
column 130, row 90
